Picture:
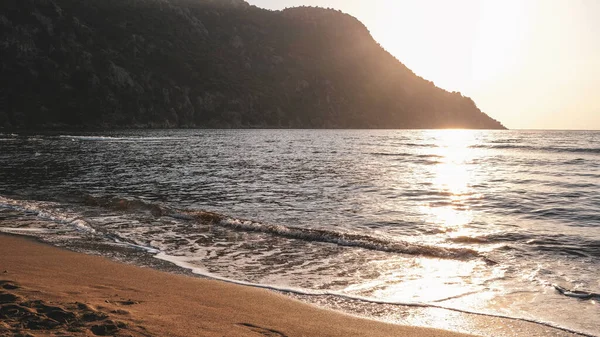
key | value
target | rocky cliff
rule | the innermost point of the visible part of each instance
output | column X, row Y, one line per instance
column 208, row 63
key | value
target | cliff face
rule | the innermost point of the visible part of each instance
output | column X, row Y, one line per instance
column 208, row 63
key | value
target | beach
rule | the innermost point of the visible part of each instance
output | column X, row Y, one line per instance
column 81, row 295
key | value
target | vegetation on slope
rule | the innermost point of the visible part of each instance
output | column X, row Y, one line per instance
column 208, row 63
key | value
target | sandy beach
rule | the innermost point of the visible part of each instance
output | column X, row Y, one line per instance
column 48, row 291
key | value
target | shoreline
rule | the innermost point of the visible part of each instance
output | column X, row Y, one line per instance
column 420, row 322
column 399, row 315
column 141, row 301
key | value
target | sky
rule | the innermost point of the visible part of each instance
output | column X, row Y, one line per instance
column 531, row 64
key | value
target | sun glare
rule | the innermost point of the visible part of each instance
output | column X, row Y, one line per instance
column 452, row 179
column 501, row 32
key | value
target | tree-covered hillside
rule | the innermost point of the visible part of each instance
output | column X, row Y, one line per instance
column 207, row 63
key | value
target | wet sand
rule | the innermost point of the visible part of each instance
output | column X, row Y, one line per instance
column 47, row 291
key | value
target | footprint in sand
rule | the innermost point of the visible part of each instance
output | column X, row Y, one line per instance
column 20, row 315
column 262, row 331
column 8, row 285
column 123, row 302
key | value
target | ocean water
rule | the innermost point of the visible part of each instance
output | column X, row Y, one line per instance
column 433, row 222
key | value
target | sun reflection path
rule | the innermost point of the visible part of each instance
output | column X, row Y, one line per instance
column 447, row 206
column 452, row 172
column 452, row 179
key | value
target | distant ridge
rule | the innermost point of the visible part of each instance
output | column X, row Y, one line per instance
column 208, row 63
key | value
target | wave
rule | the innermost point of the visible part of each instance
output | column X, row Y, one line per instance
column 573, row 245
column 406, row 154
column 119, row 139
column 425, row 159
column 122, row 204
column 332, row 237
column 592, row 150
column 47, row 213
column 506, row 141
column 290, row 232
column 469, row 239
column 8, row 137
column 389, row 154
column 433, row 145
column 428, row 156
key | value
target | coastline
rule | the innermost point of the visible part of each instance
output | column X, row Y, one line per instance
column 138, row 301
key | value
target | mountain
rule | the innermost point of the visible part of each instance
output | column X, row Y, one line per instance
column 208, row 63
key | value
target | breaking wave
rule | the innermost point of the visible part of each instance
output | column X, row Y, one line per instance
column 290, row 232
column 47, row 213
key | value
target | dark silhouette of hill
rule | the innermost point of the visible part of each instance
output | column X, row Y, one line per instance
column 208, row 63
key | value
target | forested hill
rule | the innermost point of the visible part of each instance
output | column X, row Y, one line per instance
column 208, row 63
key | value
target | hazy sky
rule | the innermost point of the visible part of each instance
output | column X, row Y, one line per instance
column 532, row 64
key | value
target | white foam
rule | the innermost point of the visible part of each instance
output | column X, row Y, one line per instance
column 40, row 211
column 352, row 240
column 203, row 272
column 148, row 249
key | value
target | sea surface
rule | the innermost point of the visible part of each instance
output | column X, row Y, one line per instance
column 501, row 223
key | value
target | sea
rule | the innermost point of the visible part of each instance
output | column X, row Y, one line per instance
column 420, row 227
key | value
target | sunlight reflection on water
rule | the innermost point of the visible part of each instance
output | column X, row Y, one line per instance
column 440, row 280
column 453, row 178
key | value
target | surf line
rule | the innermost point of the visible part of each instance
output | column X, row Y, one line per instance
column 340, row 239
column 204, row 273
